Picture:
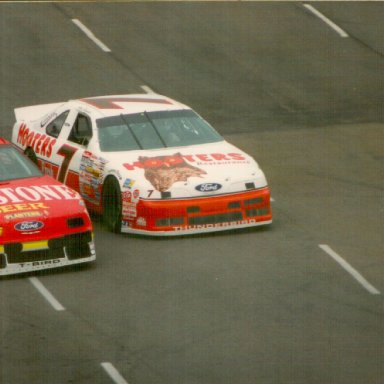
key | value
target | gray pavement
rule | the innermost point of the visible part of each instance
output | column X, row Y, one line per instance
column 255, row 306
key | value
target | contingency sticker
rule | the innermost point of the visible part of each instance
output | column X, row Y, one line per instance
column 90, row 176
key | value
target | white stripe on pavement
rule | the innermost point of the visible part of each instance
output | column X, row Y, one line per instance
column 113, row 373
column 327, row 21
column 355, row 274
column 147, row 89
column 90, row 35
column 46, row 294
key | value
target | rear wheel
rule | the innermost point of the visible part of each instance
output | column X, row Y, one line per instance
column 30, row 153
column 112, row 204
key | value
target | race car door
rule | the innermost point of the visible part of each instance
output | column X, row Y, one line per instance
column 73, row 130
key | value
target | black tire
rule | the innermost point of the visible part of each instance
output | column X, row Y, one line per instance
column 30, row 153
column 112, row 204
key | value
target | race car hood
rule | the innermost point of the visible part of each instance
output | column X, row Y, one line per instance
column 201, row 170
column 34, row 206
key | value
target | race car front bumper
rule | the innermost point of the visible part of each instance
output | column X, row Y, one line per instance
column 202, row 214
column 21, row 257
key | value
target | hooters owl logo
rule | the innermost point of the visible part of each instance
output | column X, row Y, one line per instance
column 163, row 171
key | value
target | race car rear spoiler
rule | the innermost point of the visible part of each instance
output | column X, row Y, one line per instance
column 34, row 112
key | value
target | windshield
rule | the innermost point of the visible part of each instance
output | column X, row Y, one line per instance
column 153, row 130
column 14, row 165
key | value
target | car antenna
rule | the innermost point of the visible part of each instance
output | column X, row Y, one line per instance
column 155, row 128
column 130, row 130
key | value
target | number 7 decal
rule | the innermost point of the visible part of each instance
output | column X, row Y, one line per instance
column 67, row 152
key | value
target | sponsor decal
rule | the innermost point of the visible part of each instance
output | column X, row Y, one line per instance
column 46, row 262
column 179, row 159
column 93, row 171
column 36, row 193
column 129, row 210
column 38, row 263
column 208, row 187
column 41, row 143
column 141, row 222
column 216, row 225
column 126, row 196
column 23, row 215
column 163, row 171
column 28, row 226
column 128, row 183
column 135, row 195
column 47, row 118
column 48, row 168
column 90, row 176
column 88, row 191
column 21, row 207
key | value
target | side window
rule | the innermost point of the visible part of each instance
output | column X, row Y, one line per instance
column 54, row 127
column 81, row 131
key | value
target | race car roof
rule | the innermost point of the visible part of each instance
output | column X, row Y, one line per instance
column 131, row 103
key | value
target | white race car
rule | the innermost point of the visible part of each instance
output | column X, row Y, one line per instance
column 147, row 163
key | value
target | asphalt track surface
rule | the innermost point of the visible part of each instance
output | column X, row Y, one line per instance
column 299, row 302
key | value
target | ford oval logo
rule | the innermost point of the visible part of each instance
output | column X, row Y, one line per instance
column 208, row 187
column 27, row 226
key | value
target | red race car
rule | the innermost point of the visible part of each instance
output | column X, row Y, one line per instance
column 43, row 223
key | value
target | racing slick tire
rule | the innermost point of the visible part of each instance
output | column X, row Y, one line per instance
column 30, row 153
column 112, row 204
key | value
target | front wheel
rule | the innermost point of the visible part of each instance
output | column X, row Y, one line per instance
column 112, row 204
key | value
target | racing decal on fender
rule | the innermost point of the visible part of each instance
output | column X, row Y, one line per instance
column 28, row 226
column 208, row 187
column 41, row 143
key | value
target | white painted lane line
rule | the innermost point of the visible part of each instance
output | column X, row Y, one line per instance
column 147, row 89
column 90, row 35
column 327, row 21
column 355, row 274
column 46, row 294
column 113, row 373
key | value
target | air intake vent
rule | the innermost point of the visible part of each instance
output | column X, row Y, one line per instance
column 193, row 209
column 3, row 263
column 215, row 219
column 166, row 195
column 75, row 222
column 256, row 200
column 13, row 248
column 169, row 221
column 234, row 204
